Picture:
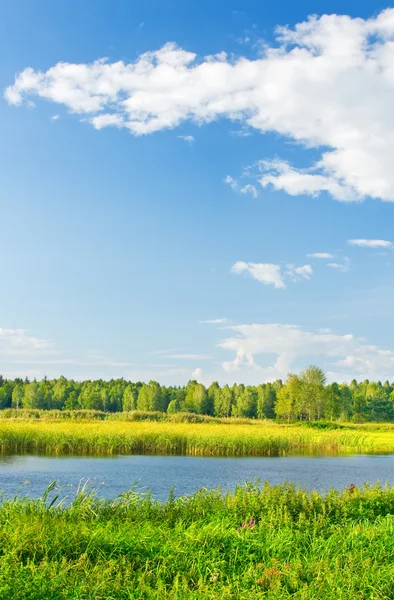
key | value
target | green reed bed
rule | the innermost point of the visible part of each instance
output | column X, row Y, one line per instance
column 232, row 438
column 257, row 542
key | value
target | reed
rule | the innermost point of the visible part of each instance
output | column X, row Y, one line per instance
column 256, row 542
column 211, row 438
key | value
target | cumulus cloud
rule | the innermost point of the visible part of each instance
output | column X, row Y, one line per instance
column 198, row 375
column 326, row 83
column 371, row 243
column 322, row 255
column 271, row 274
column 293, row 346
column 266, row 273
column 312, row 181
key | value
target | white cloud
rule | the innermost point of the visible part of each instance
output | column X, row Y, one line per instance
column 271, row 274
column 246, row 189
column 344, row 267
column 187, row 138
column 283, row 177
column 55, row 117
column 327, row 83
column 184, row 356
column 40, row 357
column 371, row 243
column 75, row 362
column 18, row 342
column 198, row 375
column 107, row 120
column 293, row 346
column 323, row 255
column 266, row 273
column 299, row 273
column 249, row 189
column 215, row 321
column 232, row 183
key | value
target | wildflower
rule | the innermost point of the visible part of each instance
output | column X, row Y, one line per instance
column 251, row 523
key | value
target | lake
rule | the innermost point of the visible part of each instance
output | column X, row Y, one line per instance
column 30, row 475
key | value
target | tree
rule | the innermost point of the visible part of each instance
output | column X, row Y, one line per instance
column 266, row 398
column 246, row 404
column 17, row 395
column 213, row 393
column 287, row 398
column 333, row 401
column 5, row 394
column 130, row 396
column 196, row 399
column 33, row 396
column 223, row 402
column 150, row 397
column 312, row 393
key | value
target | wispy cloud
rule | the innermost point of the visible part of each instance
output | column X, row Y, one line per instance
column 185, row 356
column 299, row 273
column 344, row 266
column 187, row 138
column 215, row 321
column 15, row 342
column 365, row 243
column 322, row 255
column 246, row 189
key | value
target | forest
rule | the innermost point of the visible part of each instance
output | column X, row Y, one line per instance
column 302, row 397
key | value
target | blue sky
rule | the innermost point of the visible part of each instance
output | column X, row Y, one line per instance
column 189, row 182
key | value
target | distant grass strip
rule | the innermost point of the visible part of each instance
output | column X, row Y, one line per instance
column 254, row 438
column 271, row 542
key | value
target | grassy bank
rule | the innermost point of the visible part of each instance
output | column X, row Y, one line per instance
column 234, row 438
column 275, row 542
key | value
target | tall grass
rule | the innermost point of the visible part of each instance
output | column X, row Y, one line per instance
column 254, row 438
column 270, row 542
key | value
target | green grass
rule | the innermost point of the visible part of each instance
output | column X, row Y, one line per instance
column 294, row 545
column 208, row 438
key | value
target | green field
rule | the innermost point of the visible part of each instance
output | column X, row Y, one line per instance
column 213, row 437
column 270, row 542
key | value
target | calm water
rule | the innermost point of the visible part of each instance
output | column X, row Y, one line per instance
column 30, row 475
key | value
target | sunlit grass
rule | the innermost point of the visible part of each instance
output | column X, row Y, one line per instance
column 234, row 438
column 276, row 542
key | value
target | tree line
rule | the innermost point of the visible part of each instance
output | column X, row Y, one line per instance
column 306, row 396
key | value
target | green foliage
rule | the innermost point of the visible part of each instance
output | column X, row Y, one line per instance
column 302, row 397
column 256, row 542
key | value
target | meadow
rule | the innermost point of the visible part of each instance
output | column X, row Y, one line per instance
column 96, row 434
column 256, row 542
